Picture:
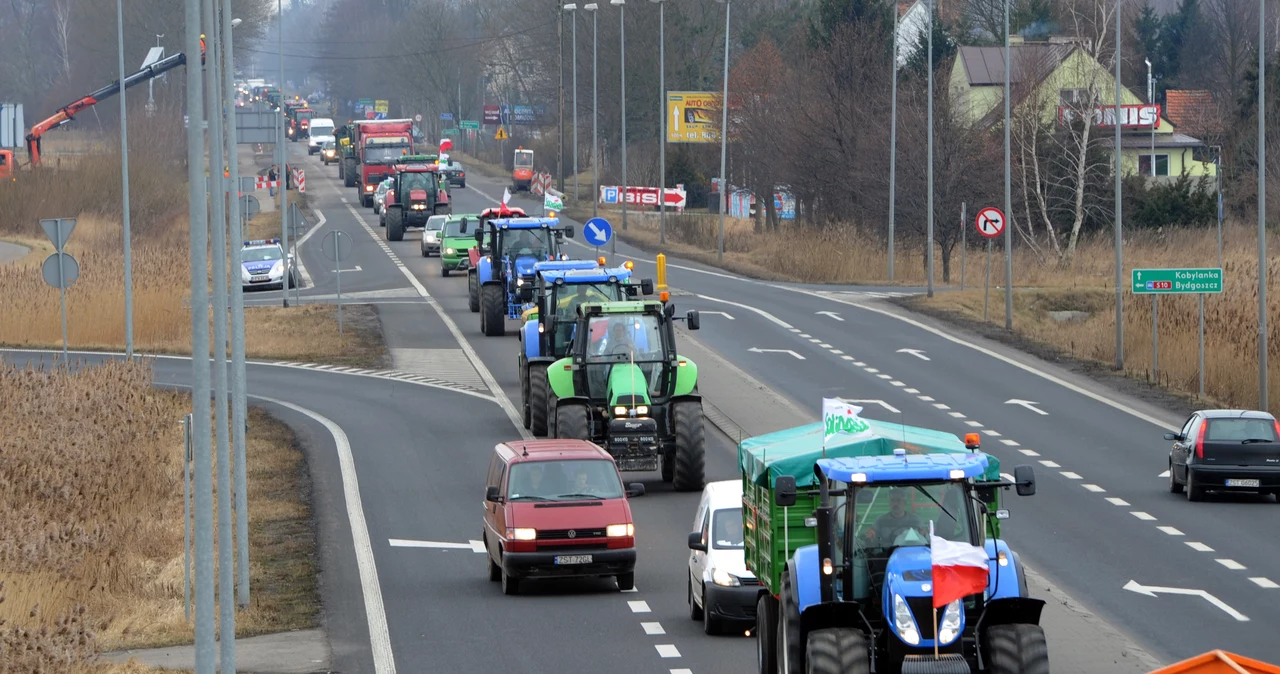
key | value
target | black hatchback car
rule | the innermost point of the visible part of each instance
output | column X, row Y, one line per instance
column 1225, row 450
column 455, row 174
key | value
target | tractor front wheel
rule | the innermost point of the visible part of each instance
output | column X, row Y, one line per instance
column 349, row 173
column 538, row 400
column 789, row 646
column 395, row 225
column 526, row 412
column 473, row 291
column 572, row 422
column 493, row 304
column 690, row 464
column 1017, row 648
column 839, row 650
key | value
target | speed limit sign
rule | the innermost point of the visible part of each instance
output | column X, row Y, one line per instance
column 990, row 222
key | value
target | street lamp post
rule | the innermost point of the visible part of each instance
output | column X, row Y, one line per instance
column 282, row 142
column 1151, row 99
column 124, row 173
column 893, row 137
column 1118, row 221
column 1008, row 183
column 1262, row 207
column 662, row 138
column 929, row 244
column 724, row 135
column 595, row 111
column 560, row 69
column 622, row 28
column 572, row 9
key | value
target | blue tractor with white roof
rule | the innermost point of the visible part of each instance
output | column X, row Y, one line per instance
column 510, row 247
column 842, row 540
column 559, row 288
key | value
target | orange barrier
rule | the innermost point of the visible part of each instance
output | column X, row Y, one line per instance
column 1219, row 662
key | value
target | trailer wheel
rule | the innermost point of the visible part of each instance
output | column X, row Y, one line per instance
column 839, row 650
column 1017, row 649
column 766, row 634
column 572, row 422
column 493, row 315
column 790, row 649
column 395, row 225
column 690, row 464
column 538, row 400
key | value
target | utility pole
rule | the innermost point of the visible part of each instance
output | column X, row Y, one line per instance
column 595, row 109
column 282, row 142
column 560, row 67
column 929, row 250
column 575, row 103
column 124, row 177
column 622, row 31
column 1262, row 204
column 724, row 136
column 893, row 137
column 662, row 138
column 1119, row 227
column 1008, row 184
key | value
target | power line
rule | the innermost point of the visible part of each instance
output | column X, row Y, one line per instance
column 477, row 43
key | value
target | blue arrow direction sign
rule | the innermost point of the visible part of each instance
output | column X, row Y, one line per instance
column 598, row 231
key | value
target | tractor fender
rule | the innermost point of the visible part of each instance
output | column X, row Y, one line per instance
column 686, row 376
column 1004, row 580
column 571, row 400
column 825, row 615
column 1010, row 611
column 560, row 379
column 485, row 273
column 691, row 398
column 529, row 338
column 805, row 569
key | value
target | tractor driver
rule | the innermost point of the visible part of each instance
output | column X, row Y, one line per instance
column 526, row 244
column 618, row 341
column 897, row 521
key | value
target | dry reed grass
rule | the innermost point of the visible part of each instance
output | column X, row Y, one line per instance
column 91, row 553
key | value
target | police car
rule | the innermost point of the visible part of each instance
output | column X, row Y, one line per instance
column 262, row 265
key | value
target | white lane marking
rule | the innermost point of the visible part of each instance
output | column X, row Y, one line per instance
column 667, row 650
column 884, row 376
column 897, row 383
column 756, row 349
column 1007, row 477
column 815, row 340
column 927, row 399
column 768, row 316
column 1164, row 474
column 941, row 406
column 1230, row 564
column 912, row 391
column 988, row 352
column 633, row 589
column 872, row 370
column 847, row 357
column 439, row 545
column 499, row 395
column 1029, row 404
column 1198, row 546
column 680, row 671
column 1050, row 464
column 1011, row 443
column 379, row 636
column 1117, row 501
column 1265, row 583
column 1093, row 488
column 957, row 415
column 824, row 345
column 1070, row 475
column 830, row 314
column 1150, row 591
column 805, row 335
column 837, row 352
column 915, row 352
column 975, row 424
column 477, row 546
column 881, row 403
column 639, row 606
column 653, row 628
column 992, row 434
column 297, row 246
column 1170, row 530
column 1029, row 452
column 859, row 364
column 794, row 329
column 1146, row 517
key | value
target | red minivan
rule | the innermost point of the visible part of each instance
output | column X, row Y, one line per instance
column 557, row 509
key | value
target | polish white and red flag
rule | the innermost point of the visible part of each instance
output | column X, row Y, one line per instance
column 446, row 145
column 959, row 569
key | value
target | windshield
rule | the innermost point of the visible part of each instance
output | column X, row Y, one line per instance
column 1239, row 430
column 893, row 516
column 321, row 129
column 726, row 529
column 569, row 480
column 384, row 153
column 415, row 181
column 435, row 222
column 524, row 159
column 622, row 338
column 527, row 242
column 454, row 228
column 269, row 254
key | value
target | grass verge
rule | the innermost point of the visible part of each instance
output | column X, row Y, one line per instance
column 91, row 555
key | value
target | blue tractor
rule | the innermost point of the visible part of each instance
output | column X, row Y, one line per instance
column 861, row 599
column 510, row 249
column 560, row 287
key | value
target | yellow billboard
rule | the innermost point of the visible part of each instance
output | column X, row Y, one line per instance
column 382, row 106
column 693, row 117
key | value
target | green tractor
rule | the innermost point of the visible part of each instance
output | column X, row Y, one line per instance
column 624, row 387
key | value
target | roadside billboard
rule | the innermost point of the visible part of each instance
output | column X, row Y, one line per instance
column 1145, row 116
column 644, row 196
column 693, row 117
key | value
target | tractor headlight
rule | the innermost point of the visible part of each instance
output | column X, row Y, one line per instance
column 519, row 282
column 620, row 530
column 904, row 622
column 724, row 578
column 619, row 411
column 642, row 409
column 950, row 625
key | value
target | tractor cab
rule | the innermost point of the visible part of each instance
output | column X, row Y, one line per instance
column 522, row 170
column 515, row 246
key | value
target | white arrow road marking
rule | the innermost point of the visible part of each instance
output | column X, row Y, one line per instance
column 1031, row 405
column 915, row 352
column 759, row 350
column 1151, row 591
column 595, row 229
column 474, row 546
column 830, row 314
column 881, row 403
column 722, row 313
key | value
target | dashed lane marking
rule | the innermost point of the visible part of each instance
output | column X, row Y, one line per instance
column 1029, row 452
column 1070, row 475
column 1117, row 501
column 1146, row 517
column 1230, row 564
column 1050, row 464
column 667, row 650
column 639, row 606
column 653, row 628
column 1093, row 488
column 1265, row 583
column 1199, row 547
column 1170, row 530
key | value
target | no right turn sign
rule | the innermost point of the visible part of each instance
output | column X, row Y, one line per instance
column 990, row 222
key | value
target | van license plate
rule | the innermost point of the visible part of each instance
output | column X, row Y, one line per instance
column 573, row 559
column 1242, row 483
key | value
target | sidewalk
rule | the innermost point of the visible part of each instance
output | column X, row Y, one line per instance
column 301, row 652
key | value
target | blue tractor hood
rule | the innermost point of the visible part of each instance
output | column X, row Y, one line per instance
column 524, row 265
column 909, row 575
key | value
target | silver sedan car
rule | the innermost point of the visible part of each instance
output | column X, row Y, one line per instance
column 431, row 235
column 381, row 194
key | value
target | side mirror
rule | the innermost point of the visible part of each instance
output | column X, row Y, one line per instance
column 669, row 310
column 632, row 291
column 692, row 319
column 784, row 491
column 479, row 236
column 646, row 286
column 635, row 489
column 568, row 231
column 1172, row 436
column 1025, row 478
column 695, row 542
column 491, row 494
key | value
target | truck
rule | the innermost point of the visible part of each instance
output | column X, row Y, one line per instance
column 835, row 533
column 522, row 170
column 624, row 386
column 414, row 196
column 559, row 287
column 369, row 148
column 514, row 245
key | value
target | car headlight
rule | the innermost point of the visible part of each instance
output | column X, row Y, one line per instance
column 277, row 268
column 449, row 251
column 904, row 622
column 724, row 578
column 642, row 409
column 620, row 530
column 950, row 625
column 524, row 534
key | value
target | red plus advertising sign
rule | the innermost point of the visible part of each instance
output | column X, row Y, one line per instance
column 990, row 222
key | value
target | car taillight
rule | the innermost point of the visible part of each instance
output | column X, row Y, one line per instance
column 1200, row 439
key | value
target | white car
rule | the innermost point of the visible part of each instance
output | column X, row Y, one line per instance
column 321, row 132
column 431, row 235
column 379, row 198
column 721, row 589
column 262, row 265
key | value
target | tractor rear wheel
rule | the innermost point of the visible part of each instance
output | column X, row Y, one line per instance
column 349, row 172
column 473, row 291
column 572, row 422
column 690, row 463
column 525, row 412
column 538, row 399
column 395, row 224
column 493, row 304
column 1017, row 648
column 839, row 650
